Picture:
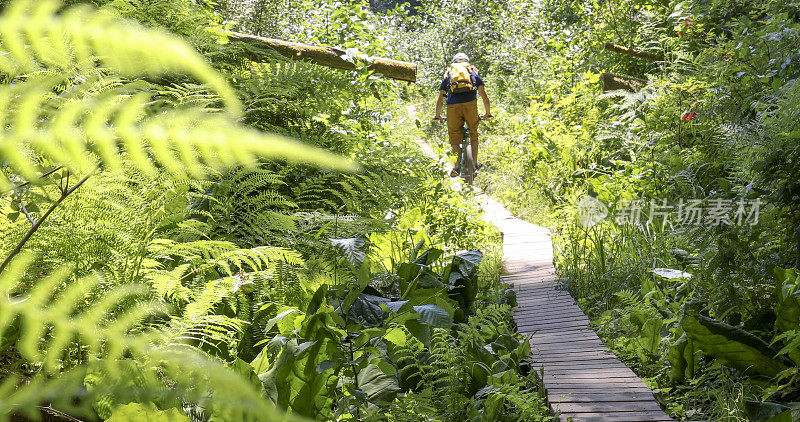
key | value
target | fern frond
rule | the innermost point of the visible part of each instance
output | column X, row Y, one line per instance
column 34, row 37
column 628, row 299
column 102, row 119
column 167, row 284
column 48, row 324
column 177, row 375
column 224, row 257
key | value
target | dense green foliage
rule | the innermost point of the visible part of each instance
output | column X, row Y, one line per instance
column 704, row 311
column 170, row 250
column 171, row 253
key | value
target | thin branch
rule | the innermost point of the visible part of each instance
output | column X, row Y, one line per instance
column 57, row 413
column 41, row 177
column 64, row 195
column 25, row 211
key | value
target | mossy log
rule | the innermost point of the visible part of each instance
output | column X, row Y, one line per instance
column 613, row 82
column 635, row 53
column 322, row 55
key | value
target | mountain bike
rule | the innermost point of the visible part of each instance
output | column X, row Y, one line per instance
column 467, row 170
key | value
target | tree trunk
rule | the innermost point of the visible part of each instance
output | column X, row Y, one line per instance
column 325, row 56
column 635, row 53
column 613, row 82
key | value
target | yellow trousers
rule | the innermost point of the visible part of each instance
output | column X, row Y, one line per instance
column 457, row 115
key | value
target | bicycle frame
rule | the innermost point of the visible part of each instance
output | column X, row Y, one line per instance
column 467, row 169
column 467, row 163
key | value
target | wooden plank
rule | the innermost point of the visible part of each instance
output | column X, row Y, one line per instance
column 551, row 313
column 540, row 292
column 614, row 384
column 596, row 364
column 541, row 273
column 580, row 377
column 561, row 327
column 566, row 389
column 564, row 328
column 546, row 305
column 527, row 268
column 550, row 287
column 583, row 360
column 616, row 417
column 585, row 396
column 539, row 311
column 532, row 305
column 540, row 282
column 530, row 324
column 532, row 328
column 566, row 347
column 532, row 320
column 549, row 338
column 533, row 299
column 620, row 406
column 533, row 315
column 590, row 373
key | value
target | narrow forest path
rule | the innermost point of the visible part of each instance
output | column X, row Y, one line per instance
column 583, row 379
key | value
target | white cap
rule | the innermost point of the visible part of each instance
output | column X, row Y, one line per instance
column 460, row 57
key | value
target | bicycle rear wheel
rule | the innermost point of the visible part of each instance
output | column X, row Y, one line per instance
column 467, row 163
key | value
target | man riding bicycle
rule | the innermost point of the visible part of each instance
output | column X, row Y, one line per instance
column 461, row 86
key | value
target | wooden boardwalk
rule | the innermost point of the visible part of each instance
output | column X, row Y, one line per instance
column 583, row 379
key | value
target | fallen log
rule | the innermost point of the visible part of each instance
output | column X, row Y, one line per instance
column 635, row 53
column 325, row 56
column 612, row 82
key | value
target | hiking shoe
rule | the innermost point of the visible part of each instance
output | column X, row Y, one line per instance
column 454, row 172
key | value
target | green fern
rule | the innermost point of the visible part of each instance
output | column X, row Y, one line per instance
column 102, row 118
column 45, row 326
column 166, row 365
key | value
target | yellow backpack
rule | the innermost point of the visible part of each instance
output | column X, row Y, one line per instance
column 461, row 77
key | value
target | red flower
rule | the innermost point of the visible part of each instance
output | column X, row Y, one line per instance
column 688, row 116
column 680, row 34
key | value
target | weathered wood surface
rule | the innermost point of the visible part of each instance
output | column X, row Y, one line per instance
column 322, row 55
column 612, row 82
column 635, row 53
column 583, row 379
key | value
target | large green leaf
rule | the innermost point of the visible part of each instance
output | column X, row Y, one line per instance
column 366, row 310
column 460, row 276
column 679, row 355
column 377, row 385
column 787, row 310
column 351, row 248
column 730, row 345
column 767, row 412
column 296, row 383
column 434, row 315
column 247, row 372
column 649, row 331
column 419, row 330
column 317, row 299
column 428, row 257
